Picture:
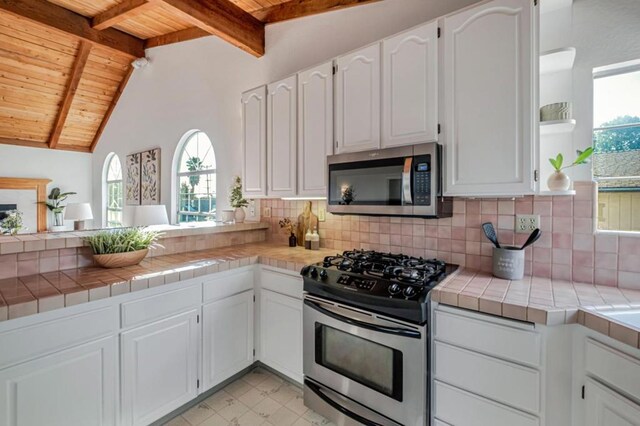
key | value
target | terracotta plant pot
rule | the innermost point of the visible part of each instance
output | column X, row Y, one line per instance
column 120, row 260
column 558, row 181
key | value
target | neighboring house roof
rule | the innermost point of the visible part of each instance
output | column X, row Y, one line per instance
column 612, row 164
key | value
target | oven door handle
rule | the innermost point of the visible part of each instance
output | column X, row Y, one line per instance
column 357, row 417
column 380, row 328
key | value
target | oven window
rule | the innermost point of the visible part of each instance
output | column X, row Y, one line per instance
column 374, row 183
column 368, row 363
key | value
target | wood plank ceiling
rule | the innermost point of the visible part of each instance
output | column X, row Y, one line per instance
column 65, row 63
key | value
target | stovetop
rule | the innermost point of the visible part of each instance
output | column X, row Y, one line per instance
column 390, row 284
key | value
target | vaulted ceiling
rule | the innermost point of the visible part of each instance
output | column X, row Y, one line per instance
column 65, row 63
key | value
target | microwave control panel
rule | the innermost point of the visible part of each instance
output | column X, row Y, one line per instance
column 422, row 180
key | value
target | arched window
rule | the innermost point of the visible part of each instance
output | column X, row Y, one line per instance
column 114, row 193
column 196, row 179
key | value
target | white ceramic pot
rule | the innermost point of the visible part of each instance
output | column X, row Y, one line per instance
column 228, row 216
column 239, row 215
column 558, row 181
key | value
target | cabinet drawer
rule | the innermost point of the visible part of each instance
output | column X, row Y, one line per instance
column 457, row 407
column 499, row 380
column 160, row 306
column 280, row 282
column 511, row 343
column 225, row 284
column 613, row 367
column 24, row 343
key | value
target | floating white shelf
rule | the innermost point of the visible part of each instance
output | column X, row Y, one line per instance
column 557, row 126
column 557, row 193
column 557, row 60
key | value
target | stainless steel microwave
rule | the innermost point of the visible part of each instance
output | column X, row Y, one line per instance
column 403, row 181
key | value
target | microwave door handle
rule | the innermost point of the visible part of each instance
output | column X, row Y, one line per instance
column 406, row 181
column 375, row 327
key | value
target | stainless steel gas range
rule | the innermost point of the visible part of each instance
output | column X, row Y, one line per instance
column 366, row 337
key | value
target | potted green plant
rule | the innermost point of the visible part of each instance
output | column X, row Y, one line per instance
column 12, row 223
column 54, row 204
column 559, row 181
column 237, row 201
column 118, row 248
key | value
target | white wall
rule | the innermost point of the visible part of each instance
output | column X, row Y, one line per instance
column 197, row 84
column 71, row 171
column 605, row 32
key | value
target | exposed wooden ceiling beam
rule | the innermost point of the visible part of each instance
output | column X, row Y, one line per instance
column 223, row 19
column 112, row 105
column 175, row 37
column 71, row 23
column 120, row 12
column 74, row 79
column 299, row 8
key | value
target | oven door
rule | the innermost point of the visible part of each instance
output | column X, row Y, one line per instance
column 379, row 363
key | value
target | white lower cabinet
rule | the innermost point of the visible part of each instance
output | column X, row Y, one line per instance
column 76, row 386
column 227, row 330
column 476, row 366
column 281, row 333
column 159, row 370
column 604, row 407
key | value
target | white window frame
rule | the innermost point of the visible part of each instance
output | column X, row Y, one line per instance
column 106, row 182
column 610, row 71
column 176, row 175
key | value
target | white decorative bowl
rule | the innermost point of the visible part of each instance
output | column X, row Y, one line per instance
column 557, row 111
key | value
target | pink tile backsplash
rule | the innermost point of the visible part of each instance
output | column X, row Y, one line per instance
column 567, row 250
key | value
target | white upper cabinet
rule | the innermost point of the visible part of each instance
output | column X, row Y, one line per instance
column 254, row 146
column 410, row 87
column 358, row 100
column 282, row 137
column 490, row 86
column 315, row 129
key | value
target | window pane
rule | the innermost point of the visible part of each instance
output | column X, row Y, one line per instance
column 197, row 195
column 114, row 172
column 619, row 208
column 616, row 99
column 197, row 154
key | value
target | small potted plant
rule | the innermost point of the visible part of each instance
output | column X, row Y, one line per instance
column 118, row 248
column 12, row 223
column 289, row 227
column 56, row 198
column 237, row 201
column 559, row 181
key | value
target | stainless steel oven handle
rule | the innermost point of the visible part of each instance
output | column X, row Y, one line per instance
column 406, row 181
column 316, row 389
column 379, row 328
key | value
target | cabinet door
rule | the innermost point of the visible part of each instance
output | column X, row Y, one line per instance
column 159, row 368
column 605, row 407
column 72, row 387
column 254, row 145
column 490, row 64
column 358, row 100
column 281, row 333
column 315, row 129
column 227, row 337
column 281, row 137
column 410, row 87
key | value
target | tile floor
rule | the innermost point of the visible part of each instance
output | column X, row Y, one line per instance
column 257, row 398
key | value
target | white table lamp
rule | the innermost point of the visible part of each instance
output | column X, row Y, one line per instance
column 78, row 212
column 150, row 215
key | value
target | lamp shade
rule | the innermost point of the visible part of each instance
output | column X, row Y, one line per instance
column 150, row 215
column 78, row 211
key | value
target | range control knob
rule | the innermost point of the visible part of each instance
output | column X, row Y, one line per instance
column 409, row 292
column 394, row 289
column 323, row 274
column 314, row 272
column 304, row 270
